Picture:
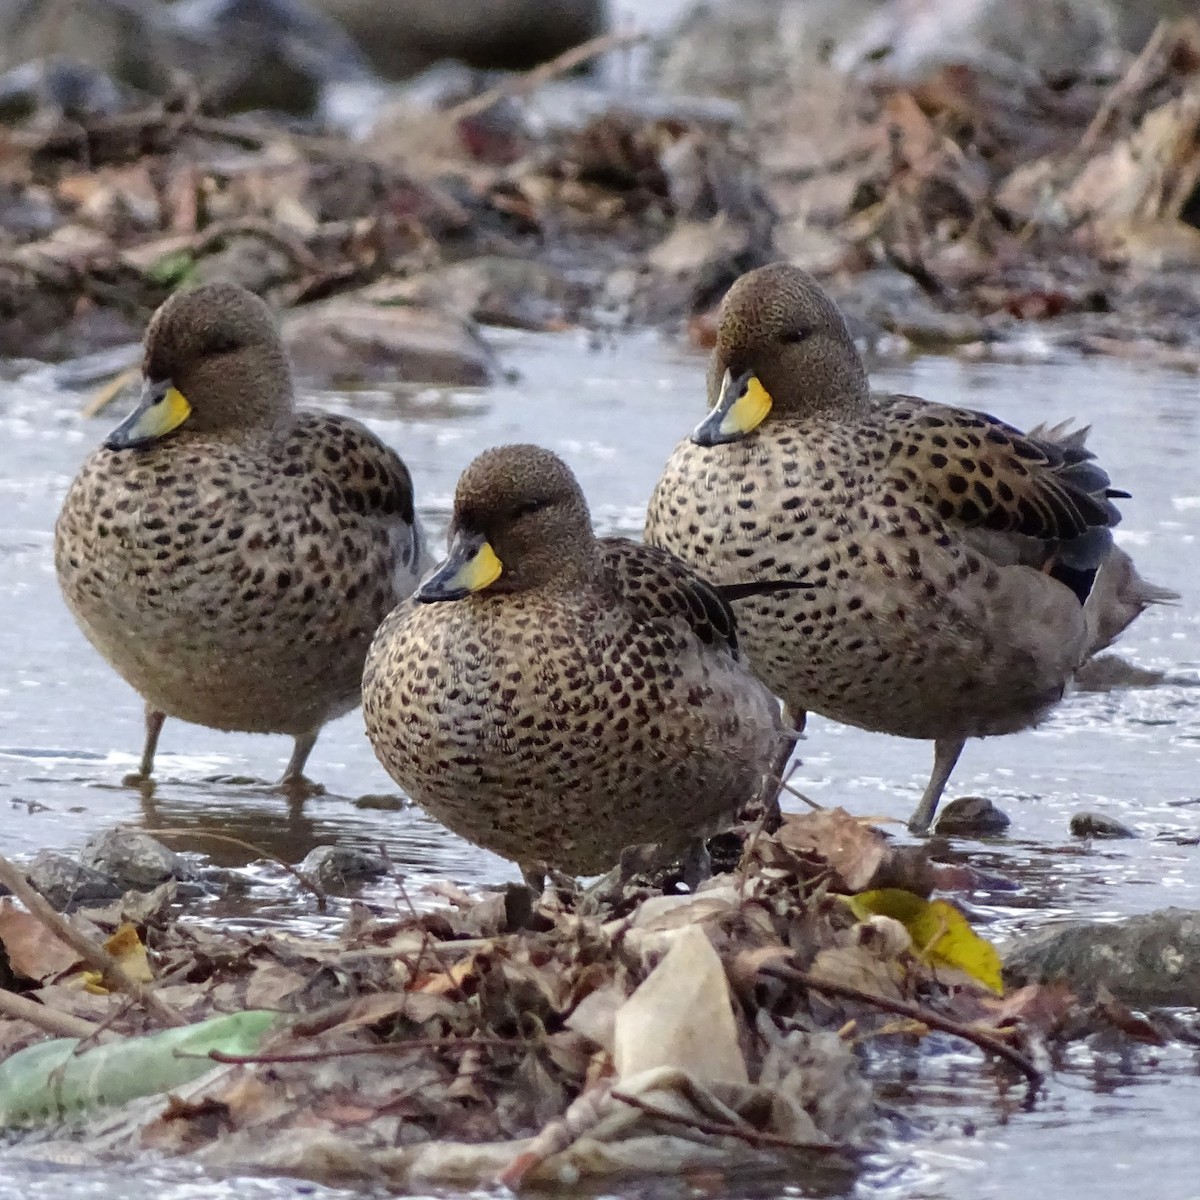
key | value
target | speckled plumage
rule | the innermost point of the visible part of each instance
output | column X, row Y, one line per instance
column 234, row 570
column 949, row 554
column 589, row 699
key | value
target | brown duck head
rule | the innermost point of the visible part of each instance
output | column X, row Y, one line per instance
column 782, row 351
column 520, row 522
column 214, row 362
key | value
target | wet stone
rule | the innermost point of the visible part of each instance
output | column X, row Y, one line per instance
column 381, row 803
column 350, row 341
column 1107, row 672
column 971, row 816
column 133, row 860
column 1097, row 825
column 334, row 868
column 1146, row 961
column 67, row 884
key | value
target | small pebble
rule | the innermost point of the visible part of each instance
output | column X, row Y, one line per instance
column 381, row 803
column 971, row 816
column 1097, row 825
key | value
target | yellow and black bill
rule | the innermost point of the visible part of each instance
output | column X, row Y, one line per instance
column 742, row 405
column 160, row 409
column 470, row 567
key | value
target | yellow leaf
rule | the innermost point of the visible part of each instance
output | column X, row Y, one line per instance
column 126, row 947
column 940, row 933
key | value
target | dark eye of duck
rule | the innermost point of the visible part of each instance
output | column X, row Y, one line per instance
column 222, row 342
column 793, row 337
column 531, row 506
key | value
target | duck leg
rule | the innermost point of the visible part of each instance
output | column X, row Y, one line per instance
column 945, row 756
column 696, row 865
column 154, row 723
column 294, row 779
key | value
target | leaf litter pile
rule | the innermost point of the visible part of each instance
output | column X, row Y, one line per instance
column 623, row 1030
column 959, row 211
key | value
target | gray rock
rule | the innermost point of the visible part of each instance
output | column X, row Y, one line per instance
column 971, row 816
column 1097, row 825
column 133, row 860
column 67, row 884
column 909, row 39
column 335, row 868
column 1108, row 672
column 733, row 49
column 60, row 88
column 253, row 262
column 513, row 292
column 402, row 36
column 349, row 341
column 888, row 299
column 129, row 40
column 285, row 54
column 1146, row 961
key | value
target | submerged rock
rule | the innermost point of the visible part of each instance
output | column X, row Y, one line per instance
column 133, row 860
column 1145, row 961
column 334, row 868
column 1097, row 825
column 1107, row 672
column 971, row 816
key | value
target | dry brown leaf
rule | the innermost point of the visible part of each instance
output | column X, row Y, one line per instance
column 1041, row 1006
column 450, row 980
column 1122, row 1017
column 370, row 1010
column 859, row 856
column 270, row 983
column 33, row 951
column 853, row 966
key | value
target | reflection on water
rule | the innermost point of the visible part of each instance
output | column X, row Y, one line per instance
column 69, row 729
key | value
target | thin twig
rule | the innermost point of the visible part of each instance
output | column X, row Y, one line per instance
column 528, row 81
column 901, row 1008
column 792, row 790
column 109, row 392
column 48, row 1020
column 752, row 1137
column 1125, row 88
column 427, row 942
column 213, row 836
column 114, row 975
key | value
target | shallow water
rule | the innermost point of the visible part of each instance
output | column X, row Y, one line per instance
column 69, row 728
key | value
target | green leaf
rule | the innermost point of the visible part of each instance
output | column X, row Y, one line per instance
column 173, row 269
column 49, row 1081
column 940, row 933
